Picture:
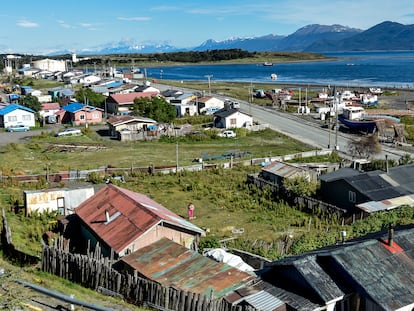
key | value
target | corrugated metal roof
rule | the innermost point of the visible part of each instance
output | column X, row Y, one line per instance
column 385, row 205
column 282, row 169
column 364, row 265
column 138, row 214
column 118, row 120
column 173, row 265
column 339, row 174
column 264, row 301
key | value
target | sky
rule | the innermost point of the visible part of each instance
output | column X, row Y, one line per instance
column 44, row 26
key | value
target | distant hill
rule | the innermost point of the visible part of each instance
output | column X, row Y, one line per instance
column 386, row 36
column 311, row 38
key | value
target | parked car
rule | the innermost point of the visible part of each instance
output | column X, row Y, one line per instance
column 228, row 133
column 18, row 128
column 69, row 132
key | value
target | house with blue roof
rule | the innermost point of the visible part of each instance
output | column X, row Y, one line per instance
column 80, row 114
column 15, row 114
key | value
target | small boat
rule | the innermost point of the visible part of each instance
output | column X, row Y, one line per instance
column 267, row 64
column 353, row 118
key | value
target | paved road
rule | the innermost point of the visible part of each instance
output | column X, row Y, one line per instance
column 300, row 129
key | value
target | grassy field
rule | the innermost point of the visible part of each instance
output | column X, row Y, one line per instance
column 45, row 151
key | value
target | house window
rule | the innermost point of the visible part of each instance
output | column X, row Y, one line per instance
column 12, row 118
column 352, row 196
column 26, row 117
column 82, row 117
column 233, row 122
column 95, row 115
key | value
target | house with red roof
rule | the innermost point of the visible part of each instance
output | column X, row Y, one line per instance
column 49, row 109
column 124, row 103
column 124, row 221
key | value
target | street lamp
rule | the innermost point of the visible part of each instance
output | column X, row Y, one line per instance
column 209, row 84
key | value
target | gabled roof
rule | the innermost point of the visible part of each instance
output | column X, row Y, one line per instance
column 131, row 214
column 50, row 106
column 75, row 107
column 173, row 265
column 12, row 107
column 369, row 266
column 377, row 185
column 118, row 120
column 282, row 169
column 129, row 97
column 226, row 112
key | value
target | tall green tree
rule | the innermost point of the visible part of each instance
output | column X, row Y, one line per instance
column 30, row 101
column 88, row 96
column 155, row 108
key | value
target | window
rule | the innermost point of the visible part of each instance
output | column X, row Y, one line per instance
column 82, row 117
column 352, row 196
column 12, row 118
column 233, row 122
column 26, row 117
column 95, row 115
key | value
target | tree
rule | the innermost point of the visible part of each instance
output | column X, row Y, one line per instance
column 364, row 147
column 30, row 101
column 87, row 96
column 155, row 108
column 299, row 186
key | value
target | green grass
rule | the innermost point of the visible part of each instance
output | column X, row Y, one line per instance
column 43, row 152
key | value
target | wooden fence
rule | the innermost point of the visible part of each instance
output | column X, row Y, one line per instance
column 98, row 274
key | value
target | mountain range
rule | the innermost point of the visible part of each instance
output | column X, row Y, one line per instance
column 386, row 36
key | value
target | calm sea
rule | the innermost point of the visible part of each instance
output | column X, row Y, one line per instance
column 380, row 69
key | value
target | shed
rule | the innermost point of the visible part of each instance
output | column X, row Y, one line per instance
column 173, row 265
column 278, row 171
column 62, row 200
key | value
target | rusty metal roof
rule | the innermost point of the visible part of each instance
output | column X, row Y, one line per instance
column 130, row 215
column 282, row 169
column 175, row 266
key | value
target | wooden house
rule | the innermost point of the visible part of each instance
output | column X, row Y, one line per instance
column 231, row 118
column 278, row 171
column 131, row 123
column 368, row 273
column 348, row 187
column 124, row 221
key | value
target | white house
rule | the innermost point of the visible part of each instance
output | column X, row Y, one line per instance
column 209, row 104
column 49, row 109
column 185, row 105
column 14, row 114
column 231, row 118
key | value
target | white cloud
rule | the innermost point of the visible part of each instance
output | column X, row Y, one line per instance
column 63, row 24
column 27, row 24
column 137, row 18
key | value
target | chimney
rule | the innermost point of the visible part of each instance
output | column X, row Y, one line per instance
column 107, row 216
column 391, row 234
column 386, row 163
column 343, row 235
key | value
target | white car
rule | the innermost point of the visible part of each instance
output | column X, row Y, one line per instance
column 229, row 134
column 70, row 132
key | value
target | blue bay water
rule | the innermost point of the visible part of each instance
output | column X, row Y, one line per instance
column 380, row 69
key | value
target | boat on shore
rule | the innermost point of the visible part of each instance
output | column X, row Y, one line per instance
column 353, row 118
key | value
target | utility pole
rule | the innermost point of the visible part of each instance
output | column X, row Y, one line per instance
column 209, row 83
